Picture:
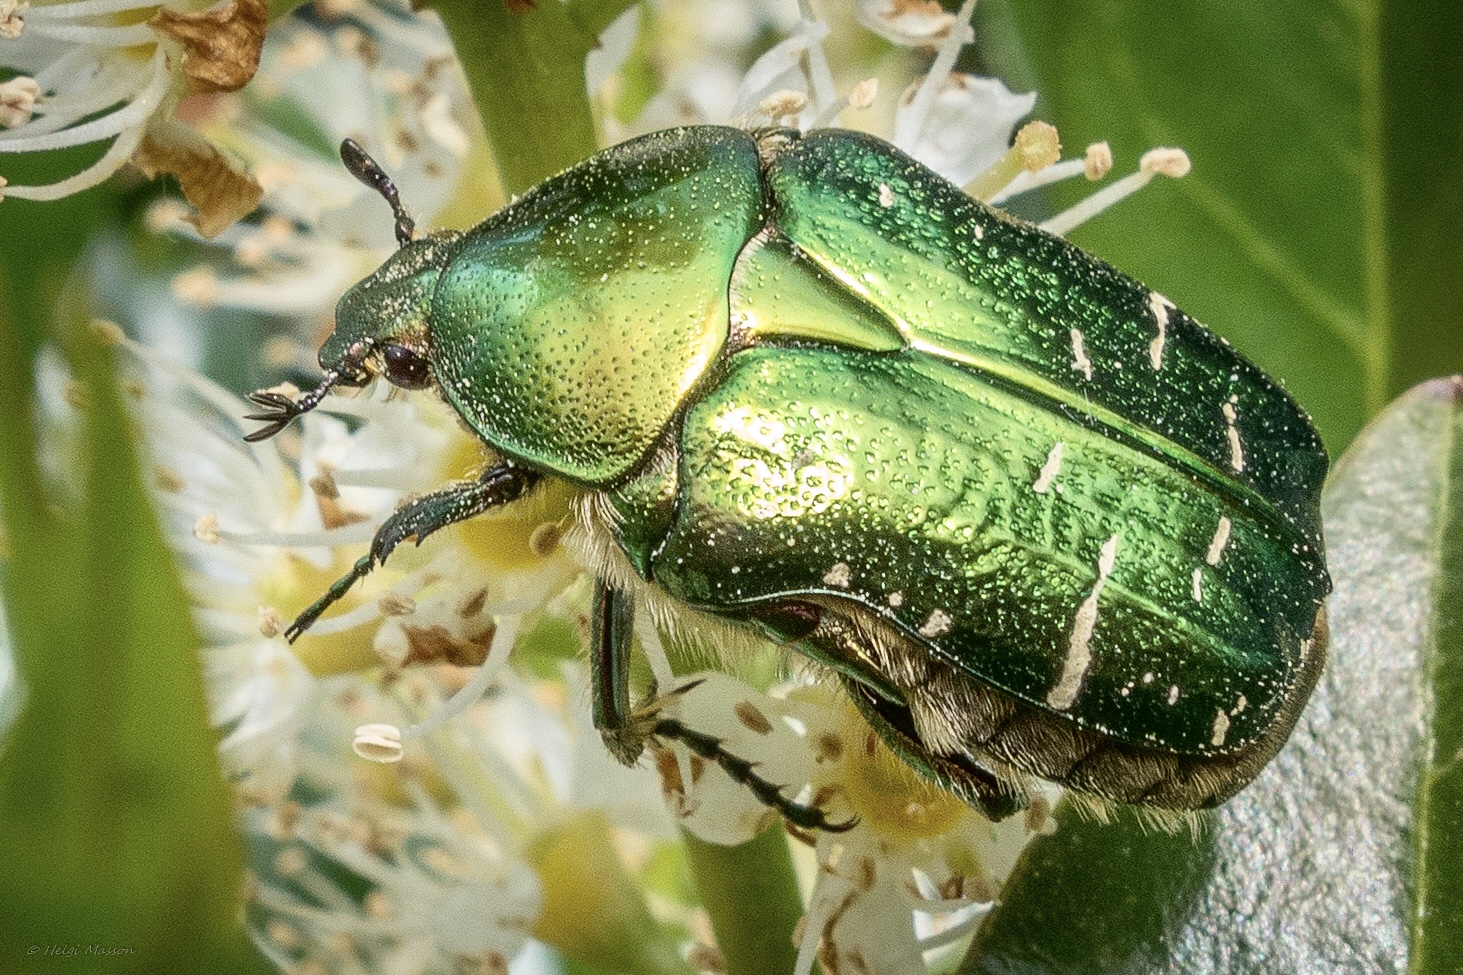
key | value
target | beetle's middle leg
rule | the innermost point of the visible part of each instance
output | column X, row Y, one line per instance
column 611, row 622
column 419, row 518
column 626, row 731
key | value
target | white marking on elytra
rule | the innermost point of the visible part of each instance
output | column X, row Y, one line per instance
column 1079, row 645
column 1148, row 677
column 896, row 599
column 1221, row 539
column 1049, row 470
column 1080, row 362
column 1221, row 728
column 1236, row 449
column 1160, row 306
column 886, row 196
column 1198, row 585
column 1173, row 694
column 838, row 576
column 1240, row 705
column 979, row 232
column 936, row 624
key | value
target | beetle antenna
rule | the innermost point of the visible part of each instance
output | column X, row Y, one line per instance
column 359, row 164
column 279, row 409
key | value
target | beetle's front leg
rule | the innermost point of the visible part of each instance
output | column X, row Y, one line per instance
column 419, row 518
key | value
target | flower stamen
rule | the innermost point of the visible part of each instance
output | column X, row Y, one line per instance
column 487, row 673
column 126, row 124
column 909, row 124
column 860, row 96
column 12, row 19
column 1036, row 148
column 1094, row 165
column 820, row 75
column 17, row 100
column 1173, row 163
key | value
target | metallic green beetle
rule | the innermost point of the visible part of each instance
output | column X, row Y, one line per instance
column 1034, row 518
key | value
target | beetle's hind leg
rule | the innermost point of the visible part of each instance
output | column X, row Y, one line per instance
column 419, row 518
column 626, row 731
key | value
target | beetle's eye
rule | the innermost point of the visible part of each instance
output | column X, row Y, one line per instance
column 406, row 368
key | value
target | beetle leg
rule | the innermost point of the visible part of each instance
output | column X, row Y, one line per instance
column 625, row 731
column 963, row 774
column 421, row 517
column 744, row 772
column 611, row 623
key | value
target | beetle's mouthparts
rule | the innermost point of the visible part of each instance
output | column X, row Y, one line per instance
column 279, row 409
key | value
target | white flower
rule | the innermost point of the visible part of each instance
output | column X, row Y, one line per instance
column 914, row 874
column 446, row 886
column 959, row 125
column 908, row 22
column 962, row 127
column 381, row 75
column 411, row 651
column 705, row 46
column 261, row 535
column 378, row 73
column 795, row 64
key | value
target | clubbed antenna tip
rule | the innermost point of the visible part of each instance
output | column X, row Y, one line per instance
column 359, row 164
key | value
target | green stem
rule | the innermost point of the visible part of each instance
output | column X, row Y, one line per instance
column 526, row 72
column 593, row 912
column 751, row 895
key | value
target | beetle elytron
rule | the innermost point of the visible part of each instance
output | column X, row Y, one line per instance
column 1033, row 517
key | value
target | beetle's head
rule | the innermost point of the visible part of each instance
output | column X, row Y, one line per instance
column 381, row 325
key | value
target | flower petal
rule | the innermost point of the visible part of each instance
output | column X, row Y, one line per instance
column 966, row 128
column 912, row 23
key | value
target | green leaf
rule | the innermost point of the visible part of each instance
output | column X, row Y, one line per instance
column 1093, row 898
column 1318, row 229
column 1346, row 854
column 1391, row 852
column 115, row 822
